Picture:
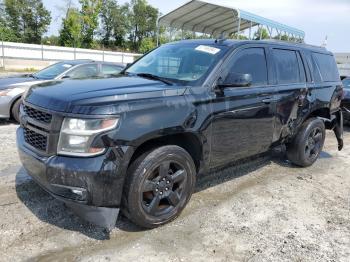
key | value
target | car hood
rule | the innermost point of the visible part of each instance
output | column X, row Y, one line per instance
column 70, row 96
column 15, row 81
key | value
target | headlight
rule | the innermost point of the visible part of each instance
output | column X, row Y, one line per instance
column 5, row 92
column 12, row 91
column 77, row 135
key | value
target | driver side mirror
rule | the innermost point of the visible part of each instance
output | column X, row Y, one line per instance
column 236, row 80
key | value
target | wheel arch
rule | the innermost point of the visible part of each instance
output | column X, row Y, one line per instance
column 14, row 100
column 188, row 141
column 323, row 113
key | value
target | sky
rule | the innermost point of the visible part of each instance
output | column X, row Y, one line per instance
column 318, row 18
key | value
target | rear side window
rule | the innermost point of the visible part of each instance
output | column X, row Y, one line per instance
column 287, row 66
column 84, row 71
column 327, row 67
column 251, row 61
column 110, row 69
column 313, row 67
column 302, row 68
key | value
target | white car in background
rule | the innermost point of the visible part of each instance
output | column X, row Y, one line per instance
column 13, row 87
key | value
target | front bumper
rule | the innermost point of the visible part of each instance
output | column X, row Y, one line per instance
column 5, row 106
column 92, row 187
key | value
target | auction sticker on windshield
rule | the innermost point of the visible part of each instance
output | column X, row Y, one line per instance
column 208, row 49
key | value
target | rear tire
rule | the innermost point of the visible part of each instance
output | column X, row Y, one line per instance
column 307, row 145
column 159, row 185
column 15, row 110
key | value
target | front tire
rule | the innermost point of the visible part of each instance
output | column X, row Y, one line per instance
column 159, row 185
column 307, row 145
column 15, row 110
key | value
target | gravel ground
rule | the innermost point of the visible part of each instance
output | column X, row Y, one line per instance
column 261, row 210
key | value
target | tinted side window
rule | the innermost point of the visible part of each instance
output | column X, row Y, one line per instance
column 251, row 61
column 327, row 67
column 84, row 71
column 287, row 66
column 313, row 67
column 302, row 68
column 111, row 69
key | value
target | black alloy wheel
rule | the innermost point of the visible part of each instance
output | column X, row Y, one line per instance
column 164, row 188
column 307, row 145
column 314, row 144
column 159, row 184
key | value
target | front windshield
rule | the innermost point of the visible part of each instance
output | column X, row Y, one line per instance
column 346, row 83
column 179, row 63
column 53, row 71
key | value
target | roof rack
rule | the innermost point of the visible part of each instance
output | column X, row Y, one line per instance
column 201, row 16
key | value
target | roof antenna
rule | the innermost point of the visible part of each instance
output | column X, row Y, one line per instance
column 221, row 38
column 325, row 42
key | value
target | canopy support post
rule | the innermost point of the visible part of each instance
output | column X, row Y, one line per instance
column 238, row 28
column 158, row 32
column 250, row 30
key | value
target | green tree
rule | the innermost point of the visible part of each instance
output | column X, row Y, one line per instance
column 27, row 19
column 115, row 23
column 108, row 13
column 51, row 40
column 147, row 44
column 90, row 10
column 261, row 32
column 6, row 33
column 240, row 36
column 121, row 25
column 38, row 18
column 70, row 34
column 13, row 10
column 143, row 19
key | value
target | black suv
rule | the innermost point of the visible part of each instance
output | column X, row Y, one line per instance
column 137, row 142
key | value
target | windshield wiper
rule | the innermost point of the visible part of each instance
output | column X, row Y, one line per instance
column 155, row 77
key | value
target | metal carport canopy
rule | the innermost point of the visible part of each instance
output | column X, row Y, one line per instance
column 205, row 17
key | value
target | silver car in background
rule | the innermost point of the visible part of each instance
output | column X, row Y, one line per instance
column 12, row 88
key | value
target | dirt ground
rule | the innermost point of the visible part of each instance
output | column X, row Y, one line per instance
column 261, row 210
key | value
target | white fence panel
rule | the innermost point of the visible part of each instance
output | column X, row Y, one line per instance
column 11, row 50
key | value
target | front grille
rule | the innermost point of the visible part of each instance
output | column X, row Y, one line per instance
column 34, row 139
column 37, row 115
column 40, row 129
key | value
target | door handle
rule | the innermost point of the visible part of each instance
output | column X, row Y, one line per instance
column 269, row 100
